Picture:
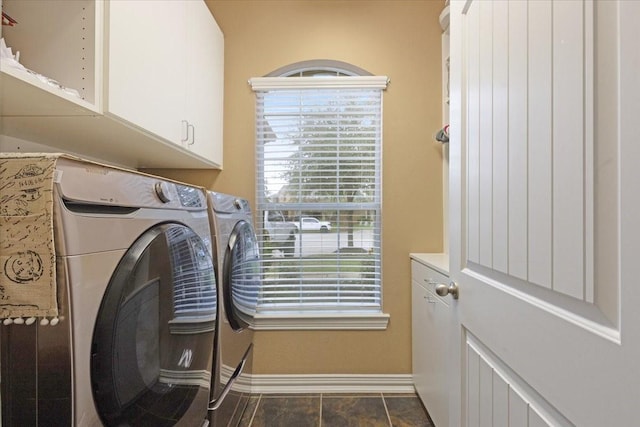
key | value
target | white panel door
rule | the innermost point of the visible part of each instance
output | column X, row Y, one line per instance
column 544, row 208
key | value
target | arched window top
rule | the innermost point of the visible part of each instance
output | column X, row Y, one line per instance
column 317, row 68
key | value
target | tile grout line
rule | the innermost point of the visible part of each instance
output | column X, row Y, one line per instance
column 255, row 410
column 386, row 410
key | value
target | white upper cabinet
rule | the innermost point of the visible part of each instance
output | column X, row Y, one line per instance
column 205, row 83
column 144, row 79
column 147, row 65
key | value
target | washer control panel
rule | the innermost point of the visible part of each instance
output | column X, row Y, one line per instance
column 90, row 183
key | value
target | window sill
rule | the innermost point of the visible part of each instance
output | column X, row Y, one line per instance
column 321, row 321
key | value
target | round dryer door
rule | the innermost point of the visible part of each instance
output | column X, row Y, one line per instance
column 241, row 276
column 153, row 339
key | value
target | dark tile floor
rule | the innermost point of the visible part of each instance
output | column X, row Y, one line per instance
column 335, row 410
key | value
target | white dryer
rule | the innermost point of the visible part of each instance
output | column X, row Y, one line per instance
column 239, row 283
column 138, row 304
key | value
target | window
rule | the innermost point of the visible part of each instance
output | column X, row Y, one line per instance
column 318, row 201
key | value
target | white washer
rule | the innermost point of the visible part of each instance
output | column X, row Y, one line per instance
column 138, row 305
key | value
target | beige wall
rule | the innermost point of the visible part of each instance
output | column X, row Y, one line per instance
column 399, row 39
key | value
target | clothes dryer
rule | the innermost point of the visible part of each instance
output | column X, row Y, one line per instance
column 138, row 303
column 238, row 290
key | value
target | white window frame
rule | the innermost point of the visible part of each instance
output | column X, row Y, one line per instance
column 329, row 320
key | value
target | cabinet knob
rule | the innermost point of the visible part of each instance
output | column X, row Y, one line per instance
column 444, row 290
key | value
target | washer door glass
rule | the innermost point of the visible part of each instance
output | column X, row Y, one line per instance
column 241, row 277
column 153, row 339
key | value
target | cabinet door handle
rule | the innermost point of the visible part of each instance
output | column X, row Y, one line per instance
column 429, row 299
column 193, row 133
column 185, row 131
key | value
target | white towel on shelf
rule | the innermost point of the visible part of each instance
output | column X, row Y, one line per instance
column 8, row 58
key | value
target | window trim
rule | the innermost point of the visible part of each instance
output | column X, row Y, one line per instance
column 319, row 65
column 314, row 320
column 336, row 82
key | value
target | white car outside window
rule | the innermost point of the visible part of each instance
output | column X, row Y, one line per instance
column 313, row 224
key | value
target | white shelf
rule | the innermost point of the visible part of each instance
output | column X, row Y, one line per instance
column 101, row 138
column 23, row 94
column 68, row 41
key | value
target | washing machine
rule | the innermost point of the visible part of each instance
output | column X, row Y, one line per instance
column 137, row 299
column 238, row 290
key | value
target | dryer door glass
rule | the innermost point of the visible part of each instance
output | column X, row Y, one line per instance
column 153, row 340
column 241, row 278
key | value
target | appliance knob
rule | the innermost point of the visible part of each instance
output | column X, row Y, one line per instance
column 162, row 191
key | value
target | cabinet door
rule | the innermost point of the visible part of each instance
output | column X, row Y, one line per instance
column 205, row 82
column 431, row 318
column 421, row 331
column 146, row 65
column 437, row 392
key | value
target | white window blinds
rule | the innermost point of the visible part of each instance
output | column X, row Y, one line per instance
column 318, row 201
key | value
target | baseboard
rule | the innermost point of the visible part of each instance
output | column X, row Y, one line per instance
column 383, row 383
